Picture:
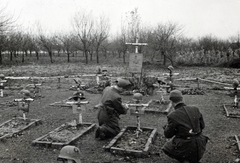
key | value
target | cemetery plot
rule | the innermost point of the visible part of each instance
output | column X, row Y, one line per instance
column 67, row 103
column 237, row 140
column 15, row 126
column 92, row 83
column 126, row 142
column 231, row 111
column 64, row 135
column 156, row 106
column 192, row 91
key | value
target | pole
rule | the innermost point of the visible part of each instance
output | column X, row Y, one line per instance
column 1, row 90
column 24, row 116
column 80, row 118
column 136, row 47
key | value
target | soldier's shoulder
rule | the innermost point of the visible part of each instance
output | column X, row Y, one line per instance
column 191, row 107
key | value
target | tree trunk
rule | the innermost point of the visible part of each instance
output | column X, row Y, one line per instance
column 152, row 57
column 164, row 58
column 97, row 56
column 86, row 56
column 68, row 56
column 91, row 56
column 1, row 57
column 37, row 55
column 50, row 55
column 105, row 54
column 11, row 56
column 124, row 57
column 22, row 57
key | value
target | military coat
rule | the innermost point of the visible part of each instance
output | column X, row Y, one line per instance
column 184, row 127
column 110, row 110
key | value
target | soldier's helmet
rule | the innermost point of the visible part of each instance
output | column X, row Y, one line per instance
column 170, row 68
column 235, row 83
column 77, row 95
column 2, row 76
column 25, row 92
column 104, row 69
column 137, row 97
column 70, row 153
column 123, row 83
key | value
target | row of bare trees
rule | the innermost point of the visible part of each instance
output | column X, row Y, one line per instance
column 91, row 36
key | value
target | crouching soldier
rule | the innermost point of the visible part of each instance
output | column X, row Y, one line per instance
column 69, row 154
column 110, row 109
column 185, row 125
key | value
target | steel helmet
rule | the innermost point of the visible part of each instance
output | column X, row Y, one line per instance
column 71, row 153
column 235, row 83
column 137, row 96
column 104, row 69
column 170, row 68
column 2, row 76
column 25, row 92
column 175, row 96
column 123, row 83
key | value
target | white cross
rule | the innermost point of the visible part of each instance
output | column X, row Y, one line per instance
column 1, row 87
column 136, row 44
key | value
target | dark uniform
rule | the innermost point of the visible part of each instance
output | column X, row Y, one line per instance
column 185, row 126
column 108, row 115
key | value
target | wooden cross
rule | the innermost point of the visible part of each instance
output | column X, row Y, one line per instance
column 2, row 86
column 136, row 44
column 23, row 105
column 138, row 67
column 76, row 107
column 140, row 109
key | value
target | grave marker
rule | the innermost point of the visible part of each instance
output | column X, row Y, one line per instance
column 139, row 110
column 233, row 110
column 2, row 77
column 136, row 59
column 24, row 103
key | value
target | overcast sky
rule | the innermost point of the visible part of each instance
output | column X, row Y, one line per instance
column 220, row 18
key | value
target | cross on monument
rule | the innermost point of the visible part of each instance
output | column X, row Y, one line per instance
column 136, row 59
column 136, row 44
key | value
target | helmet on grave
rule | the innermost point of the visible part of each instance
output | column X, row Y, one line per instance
column 123, row 83
column 79, row 94
column 170, row 68
column 235, row 83
column 25, row 92
column 104, row 69
column 137, row 96
column 2, row 76
column 71, row 153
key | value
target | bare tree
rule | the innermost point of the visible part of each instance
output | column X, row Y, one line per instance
column 47, row 44
column 129, row 31
column 6, row 25
column 83, row 26
column 67, row 44
column 101, row 33
column 25, row 44
column 165, row 40
column 104, row 47
column 34, row 45
column 14, row 43
column 121, row 45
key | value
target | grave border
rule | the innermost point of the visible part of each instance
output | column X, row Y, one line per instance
column 136, row 153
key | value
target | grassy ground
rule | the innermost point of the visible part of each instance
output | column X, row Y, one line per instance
column 221, row 129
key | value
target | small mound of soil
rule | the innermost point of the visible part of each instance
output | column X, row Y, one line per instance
column 130, row 141
column 193, row 91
